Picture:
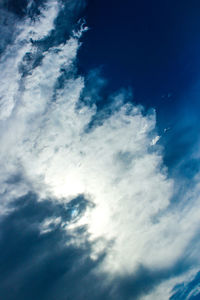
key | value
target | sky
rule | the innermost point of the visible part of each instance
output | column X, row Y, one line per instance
column 100, row 165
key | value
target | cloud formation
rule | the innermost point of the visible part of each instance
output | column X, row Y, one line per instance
column 58, row 145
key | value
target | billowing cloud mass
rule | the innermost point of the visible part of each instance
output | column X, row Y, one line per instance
column 137, row 224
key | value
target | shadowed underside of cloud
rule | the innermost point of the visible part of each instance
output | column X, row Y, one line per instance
column 41, row 264
column 110, row 228
column 37, row 264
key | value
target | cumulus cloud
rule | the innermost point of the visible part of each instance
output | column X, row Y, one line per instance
column 56, row 143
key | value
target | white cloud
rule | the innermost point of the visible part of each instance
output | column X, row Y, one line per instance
column 155, row 140
column 49, row 224
column 43, row 137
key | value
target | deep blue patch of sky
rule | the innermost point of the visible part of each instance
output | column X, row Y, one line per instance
column 152, row 46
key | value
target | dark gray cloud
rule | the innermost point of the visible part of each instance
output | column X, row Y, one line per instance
column 7, row 25
column 41, row 266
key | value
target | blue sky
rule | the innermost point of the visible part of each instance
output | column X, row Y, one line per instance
column 152, row 48
column 99, row 154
